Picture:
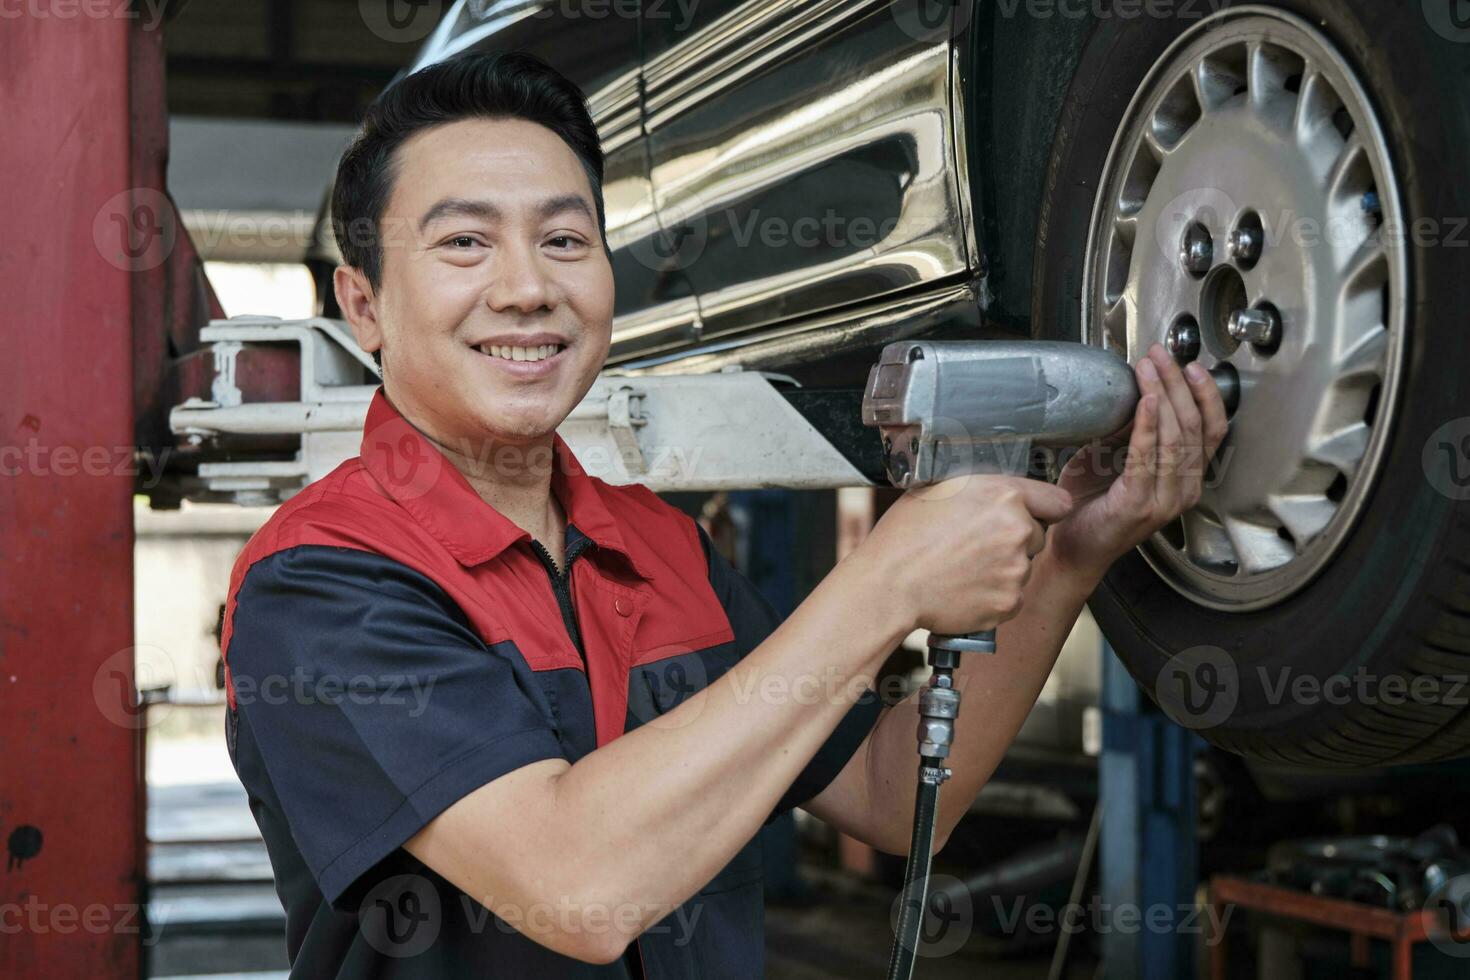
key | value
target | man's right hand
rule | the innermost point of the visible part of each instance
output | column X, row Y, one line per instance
column 959, row 552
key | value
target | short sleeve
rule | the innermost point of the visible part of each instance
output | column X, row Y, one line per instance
column 372, row 703
column 753, row 618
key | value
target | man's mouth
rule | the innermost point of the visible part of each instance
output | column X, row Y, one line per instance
column 538, row 352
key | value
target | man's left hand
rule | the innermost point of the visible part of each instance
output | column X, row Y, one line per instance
column 1178, row 425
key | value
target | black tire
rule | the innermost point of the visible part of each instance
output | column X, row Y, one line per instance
column 1395, row 600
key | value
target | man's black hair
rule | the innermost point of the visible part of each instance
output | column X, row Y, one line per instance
column 467, row 86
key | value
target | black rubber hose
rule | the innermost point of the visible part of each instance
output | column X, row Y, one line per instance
column 916, row 876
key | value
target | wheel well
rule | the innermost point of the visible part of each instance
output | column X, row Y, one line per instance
column 1016, row 70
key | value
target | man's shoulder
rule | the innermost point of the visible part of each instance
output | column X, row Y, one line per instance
column 342, row 529
column 344, row 508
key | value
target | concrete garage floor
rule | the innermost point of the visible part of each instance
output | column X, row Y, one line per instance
column 217, row 913
column 848, row 934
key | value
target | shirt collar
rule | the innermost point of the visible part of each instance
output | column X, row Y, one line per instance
column 412, row 471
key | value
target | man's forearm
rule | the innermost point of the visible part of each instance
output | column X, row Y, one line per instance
column 997, row 694
column 710, row 771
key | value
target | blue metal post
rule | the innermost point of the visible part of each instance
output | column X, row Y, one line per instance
column 766, row 546
column 1149, row 858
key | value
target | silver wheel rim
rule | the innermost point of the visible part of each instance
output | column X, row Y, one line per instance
column 1252, row 120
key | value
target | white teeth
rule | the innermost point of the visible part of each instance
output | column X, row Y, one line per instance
column 519, row 353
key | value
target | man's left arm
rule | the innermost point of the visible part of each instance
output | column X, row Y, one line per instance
column 873, row 797
column 1178, row 426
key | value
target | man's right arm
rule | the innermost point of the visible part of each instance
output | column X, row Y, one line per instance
column 646, row 820
column 707, row 776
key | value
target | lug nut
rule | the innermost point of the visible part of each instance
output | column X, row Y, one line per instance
column 1182, row 340
column 1259, row 327
column 1197, row 253
column 1245, row 246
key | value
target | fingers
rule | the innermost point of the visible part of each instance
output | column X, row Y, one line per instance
column 1181, row 398
column 1046, row 503
column 1165, row 459
column 1037, row 544
column 1189, row 463
column 1215, row 423
column 1138, row 470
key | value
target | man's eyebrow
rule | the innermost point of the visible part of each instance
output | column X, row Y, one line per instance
column 459, row 206
column 561, row 203
column 548, row 208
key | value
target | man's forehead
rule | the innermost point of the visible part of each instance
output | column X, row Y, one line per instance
column 472, row 159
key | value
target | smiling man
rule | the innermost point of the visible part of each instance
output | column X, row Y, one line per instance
column 609, row 711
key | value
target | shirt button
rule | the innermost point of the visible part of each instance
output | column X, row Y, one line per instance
column 623, row 607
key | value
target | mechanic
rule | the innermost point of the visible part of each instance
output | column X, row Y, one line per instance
column 497, row 717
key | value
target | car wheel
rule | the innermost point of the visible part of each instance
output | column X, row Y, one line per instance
column 1281, row 188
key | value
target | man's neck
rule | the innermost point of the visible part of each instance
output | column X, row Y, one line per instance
column 517, row 483
column 514, row 479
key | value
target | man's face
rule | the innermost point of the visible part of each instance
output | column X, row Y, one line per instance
column 494, row 310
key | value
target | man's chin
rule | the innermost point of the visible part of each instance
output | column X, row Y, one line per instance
column 516, row 430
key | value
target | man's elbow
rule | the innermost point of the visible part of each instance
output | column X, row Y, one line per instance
column 898, row 840
column 599, row 945
column 598, row 923
column 581, row 921
column 604, row 939
column 599, row 950
column 899, row 847
column 893, row 841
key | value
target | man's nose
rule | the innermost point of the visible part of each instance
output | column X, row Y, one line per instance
column 519, row 281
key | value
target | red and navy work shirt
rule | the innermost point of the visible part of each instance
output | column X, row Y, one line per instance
column 393, row 643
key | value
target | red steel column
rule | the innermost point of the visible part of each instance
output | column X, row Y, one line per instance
column 71, row 789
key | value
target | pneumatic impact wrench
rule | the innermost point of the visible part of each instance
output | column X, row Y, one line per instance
column 953, row 408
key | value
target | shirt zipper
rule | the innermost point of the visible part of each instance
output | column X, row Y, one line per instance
column 561, row 588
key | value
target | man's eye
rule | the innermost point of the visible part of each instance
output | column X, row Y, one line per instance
column 463, row 241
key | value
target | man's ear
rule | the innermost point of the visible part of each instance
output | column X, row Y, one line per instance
column 359, row 305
